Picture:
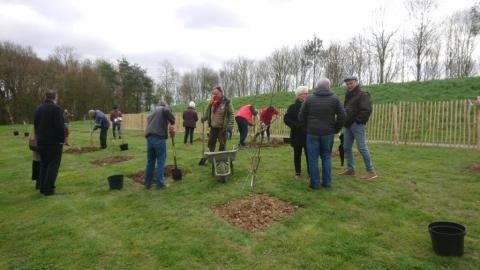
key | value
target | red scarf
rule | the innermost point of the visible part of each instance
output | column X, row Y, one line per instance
column 216, row 104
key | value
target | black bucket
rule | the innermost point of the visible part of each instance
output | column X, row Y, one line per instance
column 26, row 134
column 115, row 181
column 124, row 146
column 287, row 140
column 15, row 133
column 447, row 238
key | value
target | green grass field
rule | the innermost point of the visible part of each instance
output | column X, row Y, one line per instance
column 354, row 225
column 465, row 88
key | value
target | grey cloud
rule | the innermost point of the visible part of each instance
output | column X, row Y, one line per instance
column 55, row 10
column 207, row 16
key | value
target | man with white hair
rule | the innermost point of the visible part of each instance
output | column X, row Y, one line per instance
column 298, row 135
column 101, row 122
column 324, row 116
column 156, row 134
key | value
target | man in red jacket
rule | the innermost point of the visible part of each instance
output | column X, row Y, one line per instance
column 266, row 116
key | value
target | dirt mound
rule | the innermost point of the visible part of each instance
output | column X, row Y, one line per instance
column 139, row 177
column 474, row 168
column 110, row 160
column 272, row 143
column 254, row 212
column 81, row 150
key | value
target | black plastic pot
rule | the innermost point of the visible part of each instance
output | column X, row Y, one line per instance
column 15, row 133
column 115, row 181
column 287, row 140
column 124, row 146
column 26, row 134
column 447, row 238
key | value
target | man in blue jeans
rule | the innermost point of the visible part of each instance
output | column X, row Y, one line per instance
column 358, row 107
column 324, row 116
column 157, row 134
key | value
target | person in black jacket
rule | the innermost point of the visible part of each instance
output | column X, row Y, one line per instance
column 358, row 106
column 49, row 127
column 298, row 133
column 324, row 116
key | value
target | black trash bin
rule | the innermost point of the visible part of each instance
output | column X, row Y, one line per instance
column 115, row 182
column 447, row 238
column 124, row 146
column 15, row 133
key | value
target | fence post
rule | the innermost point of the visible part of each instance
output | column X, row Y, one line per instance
column 395, row 124
column 478, row 124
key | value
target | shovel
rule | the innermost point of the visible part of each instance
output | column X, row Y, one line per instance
column 341, row 150
column 176, row 172
column 91, row 134
column 203, row 160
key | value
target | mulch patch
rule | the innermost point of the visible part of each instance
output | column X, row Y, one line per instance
column 272, row 143
column 81, row 150
column 474, row 168
column 139, row 177
column 110, row 160
column 254, row 212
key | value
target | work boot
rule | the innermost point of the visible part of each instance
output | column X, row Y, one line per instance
column 297, row 176
column 347, row 173
column 369, row 176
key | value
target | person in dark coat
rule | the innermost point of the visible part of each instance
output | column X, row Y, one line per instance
column 49, row 127
column 190, row 118
column 324, row 117
column 298, row 133
column 358, row 107
column 101, row 122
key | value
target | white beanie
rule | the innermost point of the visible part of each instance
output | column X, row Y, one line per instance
column 191, row 104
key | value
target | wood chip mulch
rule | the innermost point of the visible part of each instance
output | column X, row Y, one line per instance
column 139, row 177
column 110, row 160
column 81, row 150
column 254, row 212
column 474, row 168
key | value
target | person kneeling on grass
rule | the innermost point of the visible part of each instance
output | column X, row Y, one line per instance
column 156, row 134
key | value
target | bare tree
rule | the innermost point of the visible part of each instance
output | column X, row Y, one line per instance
column 461, row 31
column 168, row 82
column 382, row 39
column 334, row 60
column 423, row 32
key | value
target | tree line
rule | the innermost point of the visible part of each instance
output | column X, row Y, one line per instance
column 426, row 50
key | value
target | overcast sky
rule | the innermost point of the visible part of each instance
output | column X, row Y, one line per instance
column 189, row 32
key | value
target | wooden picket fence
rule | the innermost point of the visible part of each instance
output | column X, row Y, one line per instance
column 453, row 123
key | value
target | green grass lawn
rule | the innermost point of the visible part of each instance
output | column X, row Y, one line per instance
column 354, row 225
column 436, row 90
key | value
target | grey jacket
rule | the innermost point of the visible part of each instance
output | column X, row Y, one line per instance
column 322, row 113
column 157, row 122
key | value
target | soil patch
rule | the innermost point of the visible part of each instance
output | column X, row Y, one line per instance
column 81, row 150
column 110, row 160
column 474, row 168
column 139, row 177
column 254, row 212
column 272, row 143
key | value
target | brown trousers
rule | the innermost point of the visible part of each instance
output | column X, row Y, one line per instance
column 219, row 134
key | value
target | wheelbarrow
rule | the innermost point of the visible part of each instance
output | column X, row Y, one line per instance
column 222, row 163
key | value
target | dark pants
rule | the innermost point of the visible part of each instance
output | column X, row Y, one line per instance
column 115, row 127
column 268, row 133
column 242, row 129
column 51, row 156
column 297, row 158
column 217, row 134
column 229, row 133
column 320, row 146
column 103, row 137
column 188, row 133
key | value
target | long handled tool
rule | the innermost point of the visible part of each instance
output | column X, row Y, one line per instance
column 91, row 133
column 176, row 172
column 203, row 160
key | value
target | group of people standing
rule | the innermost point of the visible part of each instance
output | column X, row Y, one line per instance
column 315, row 119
